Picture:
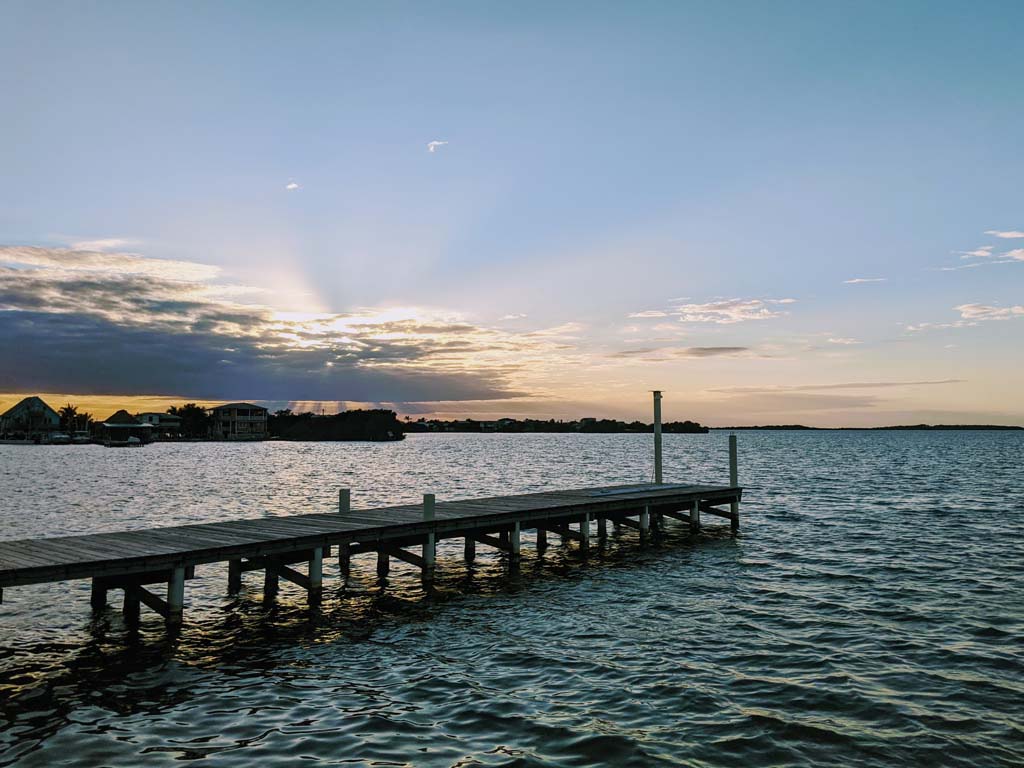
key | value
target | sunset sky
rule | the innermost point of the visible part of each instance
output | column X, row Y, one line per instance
column 774, row 212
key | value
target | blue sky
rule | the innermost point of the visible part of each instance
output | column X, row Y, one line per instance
column 602, row 161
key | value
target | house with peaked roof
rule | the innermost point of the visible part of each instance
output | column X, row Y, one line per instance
column 118, row 428
column 30, row 418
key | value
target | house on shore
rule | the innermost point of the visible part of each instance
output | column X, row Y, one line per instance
column 165, row 425
column 30, row 419
column 238, row 421
column 120, row 427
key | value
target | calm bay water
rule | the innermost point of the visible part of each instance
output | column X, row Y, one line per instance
column 870, row 613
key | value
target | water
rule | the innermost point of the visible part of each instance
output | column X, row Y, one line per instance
column 870, row 613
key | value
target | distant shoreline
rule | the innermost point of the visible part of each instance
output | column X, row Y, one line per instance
column 901, row 428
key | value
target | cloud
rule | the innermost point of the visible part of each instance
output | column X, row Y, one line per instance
column 859, row 280
column 845, row 341
column 1008, row 234
column 291, row 186
column 663, row 353
column 987, row 312
column 983, row 252
column 648, row 313
column 513, row 316
column 710, row 351
column 1017, row 254
column 729, row 311
column 432, row 146
column 855, row 385
column 61, row 262
column 123, row 324
column 108, row 244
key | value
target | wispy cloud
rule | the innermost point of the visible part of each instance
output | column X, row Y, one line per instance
column 291, row 186
column 971, row 315
column 859, row 280
column 513, row 316
column 433, row 146
column 729, row 311
column 852, row 385
column 988, row 312
column 843, row 341
column 648, row 313
column 1005, row 234
column 982, row 252
column 104, row 244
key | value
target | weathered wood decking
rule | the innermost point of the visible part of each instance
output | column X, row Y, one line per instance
column 129, row 560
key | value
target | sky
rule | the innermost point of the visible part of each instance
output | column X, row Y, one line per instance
column 781, row 212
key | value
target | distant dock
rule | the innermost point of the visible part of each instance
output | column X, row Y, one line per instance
column 134, row 561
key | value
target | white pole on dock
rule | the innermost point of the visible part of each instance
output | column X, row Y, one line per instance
column 657, row 436
column 734, row 475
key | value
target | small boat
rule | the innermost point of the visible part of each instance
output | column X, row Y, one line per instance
column 131, row 442
column 81, row 437
column 60, row 438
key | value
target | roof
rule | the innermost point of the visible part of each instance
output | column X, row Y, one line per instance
column 121, row 419
column 30, row 403
column 163, row 416
column 237, row 405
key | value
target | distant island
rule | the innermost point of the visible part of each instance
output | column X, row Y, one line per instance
column 584, row 425
column 919, row 427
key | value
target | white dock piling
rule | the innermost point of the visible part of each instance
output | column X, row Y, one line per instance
column 176, row 594
column 657, row 437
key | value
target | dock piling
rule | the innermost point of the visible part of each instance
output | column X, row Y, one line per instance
column 470, row 549
column 542, row 539
column 234, row 577
column 695, row 516
column 344, row 558
column 657, row 437
column 383, row 563
column 645, row 522
column 316, row 571
column 176, row 594
column 585, row 532
column 98, row 596
column 514, row 542
column 734, row 480
column 430, row 544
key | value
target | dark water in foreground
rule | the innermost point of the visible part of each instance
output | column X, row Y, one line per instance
column 871, row 613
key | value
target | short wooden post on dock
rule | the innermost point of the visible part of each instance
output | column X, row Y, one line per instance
column 470, row 549
column 234, row 577
column 176, row 594
column 316, row 572
column 98, row 596
column 695, row 516
column 430, row 544
column 344, row 501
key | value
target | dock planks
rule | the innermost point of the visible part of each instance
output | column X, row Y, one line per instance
column 103, row 555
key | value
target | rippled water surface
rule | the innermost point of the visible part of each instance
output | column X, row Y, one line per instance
column 870, row 613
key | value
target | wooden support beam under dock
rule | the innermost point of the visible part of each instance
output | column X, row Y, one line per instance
column 131, row 560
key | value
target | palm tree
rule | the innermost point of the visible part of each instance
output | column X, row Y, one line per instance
column 68, row 417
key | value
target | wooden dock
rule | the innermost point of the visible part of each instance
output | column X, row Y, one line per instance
column 131, row 561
